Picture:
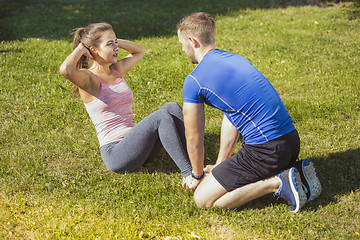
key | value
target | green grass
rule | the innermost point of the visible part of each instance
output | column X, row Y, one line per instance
column 53, row 183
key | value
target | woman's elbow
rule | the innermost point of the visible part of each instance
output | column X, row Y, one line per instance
column 64, row 70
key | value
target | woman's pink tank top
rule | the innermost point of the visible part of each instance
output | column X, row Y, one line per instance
column 111, row 111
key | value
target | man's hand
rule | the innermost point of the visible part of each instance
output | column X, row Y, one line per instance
column 186, row 181
column 191, row 183
column 208, row 168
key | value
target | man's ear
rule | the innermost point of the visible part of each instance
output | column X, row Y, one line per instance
column 194, row 42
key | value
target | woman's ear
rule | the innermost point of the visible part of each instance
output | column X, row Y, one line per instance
column 92, row 50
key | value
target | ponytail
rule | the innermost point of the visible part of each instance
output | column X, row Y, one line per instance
column 78, row 38
column 83, row 61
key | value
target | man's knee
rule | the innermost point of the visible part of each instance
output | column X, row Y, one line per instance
column 208, row 192
column 201, row 201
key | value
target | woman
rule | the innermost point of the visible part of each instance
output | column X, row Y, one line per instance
column 124, row 146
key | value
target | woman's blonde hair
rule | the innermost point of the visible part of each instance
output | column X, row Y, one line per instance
column 200, row 24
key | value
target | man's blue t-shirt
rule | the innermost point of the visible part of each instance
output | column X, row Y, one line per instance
column 232, row 84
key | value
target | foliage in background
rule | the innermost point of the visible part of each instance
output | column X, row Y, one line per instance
column 53, row 183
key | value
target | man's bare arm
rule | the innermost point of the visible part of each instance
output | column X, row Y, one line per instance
column 194, row 120
column 228, row 139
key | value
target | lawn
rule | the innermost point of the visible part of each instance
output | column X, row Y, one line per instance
column 53, row 183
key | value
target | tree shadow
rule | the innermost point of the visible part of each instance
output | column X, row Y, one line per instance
column 131, row 19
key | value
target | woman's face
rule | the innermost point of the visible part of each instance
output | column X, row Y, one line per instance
column 107, row 50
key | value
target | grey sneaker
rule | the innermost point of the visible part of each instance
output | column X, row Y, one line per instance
column 309, row 179
column 291, row 189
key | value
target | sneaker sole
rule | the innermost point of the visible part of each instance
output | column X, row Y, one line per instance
column 312, row 179
column 297, row 190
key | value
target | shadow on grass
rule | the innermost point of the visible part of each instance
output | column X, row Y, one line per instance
column 164, row 164
column 133, row 19
column 339, row 174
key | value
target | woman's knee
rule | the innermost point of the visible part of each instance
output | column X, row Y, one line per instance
column 171, row 106
column 117, row 169
column 120, row 167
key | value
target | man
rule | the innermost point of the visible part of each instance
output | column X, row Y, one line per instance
column 251, row 107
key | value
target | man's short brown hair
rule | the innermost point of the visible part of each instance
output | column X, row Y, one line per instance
column 201, row 24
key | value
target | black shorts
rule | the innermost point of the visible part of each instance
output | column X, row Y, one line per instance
column 258, row 162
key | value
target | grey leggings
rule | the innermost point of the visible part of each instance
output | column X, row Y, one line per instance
column 164, row 127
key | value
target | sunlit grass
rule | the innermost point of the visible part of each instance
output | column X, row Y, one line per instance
column 53, row 183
